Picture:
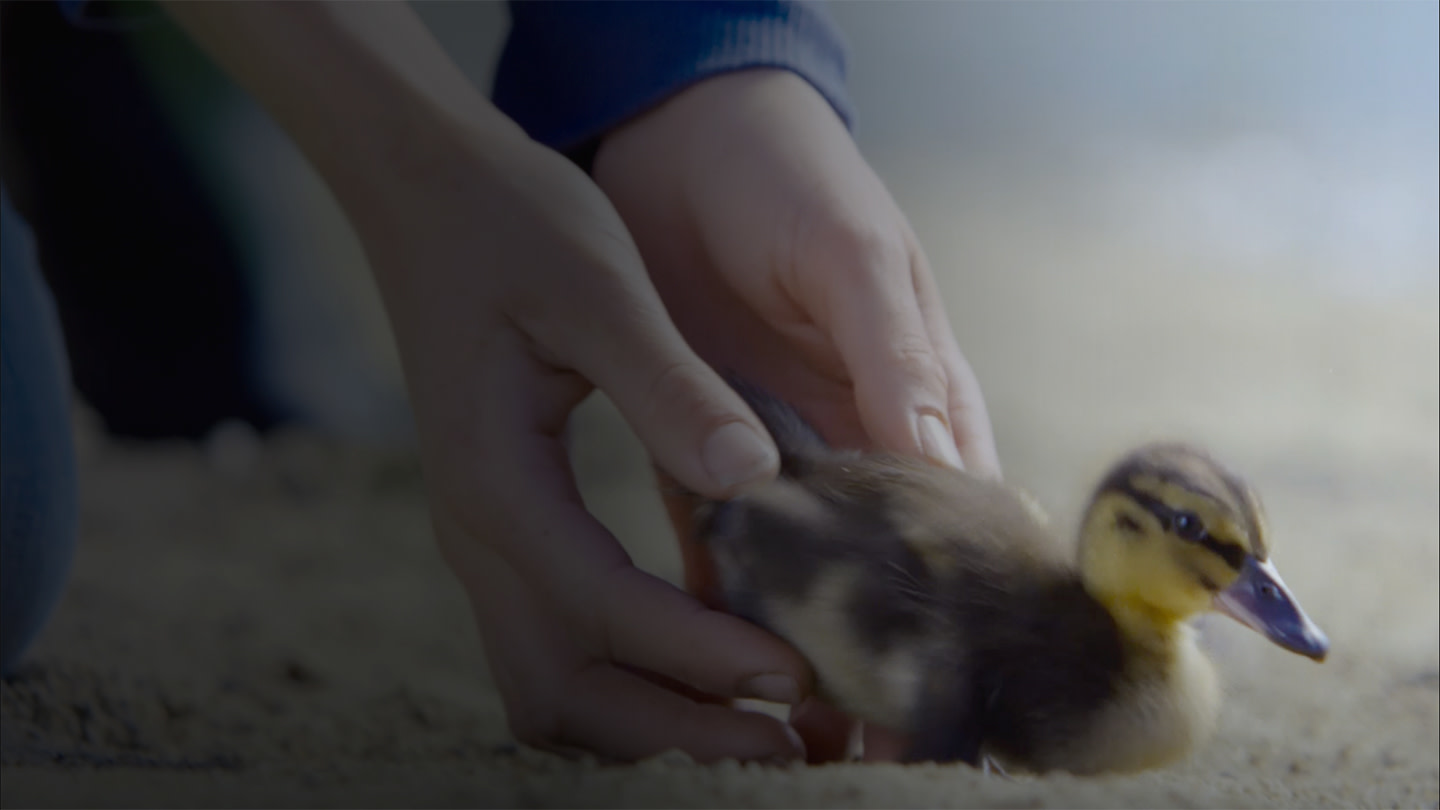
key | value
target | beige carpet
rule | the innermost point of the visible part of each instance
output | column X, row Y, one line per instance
column 280, row 632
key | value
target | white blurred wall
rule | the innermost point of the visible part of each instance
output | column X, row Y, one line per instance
column 1291, row 135
column 1033, row 70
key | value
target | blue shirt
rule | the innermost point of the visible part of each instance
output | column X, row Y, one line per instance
column 571, row 71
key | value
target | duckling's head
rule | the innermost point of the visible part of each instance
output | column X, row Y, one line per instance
column 1170, row 534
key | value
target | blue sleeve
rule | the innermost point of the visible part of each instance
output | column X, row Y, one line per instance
column 84, row 14
column 571, row 71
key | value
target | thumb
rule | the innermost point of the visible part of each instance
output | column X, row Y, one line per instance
column 694, row 425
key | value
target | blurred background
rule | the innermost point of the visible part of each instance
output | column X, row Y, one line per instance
column 1204, row 220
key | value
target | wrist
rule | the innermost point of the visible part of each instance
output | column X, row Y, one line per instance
column 363, row 88
column 396, row 115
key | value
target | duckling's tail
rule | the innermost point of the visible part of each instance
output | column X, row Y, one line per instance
column 798, row 442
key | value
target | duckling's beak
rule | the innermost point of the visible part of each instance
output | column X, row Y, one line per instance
column 1260, row 600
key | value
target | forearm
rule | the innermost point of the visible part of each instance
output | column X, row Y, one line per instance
column 363, row 88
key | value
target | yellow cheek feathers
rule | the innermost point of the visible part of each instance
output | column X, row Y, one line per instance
column 1144, row 577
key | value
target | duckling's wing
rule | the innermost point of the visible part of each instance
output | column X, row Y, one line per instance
column 784, row 540
column 832, row 577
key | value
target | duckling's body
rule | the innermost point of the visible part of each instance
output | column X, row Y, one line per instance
column 938, row 603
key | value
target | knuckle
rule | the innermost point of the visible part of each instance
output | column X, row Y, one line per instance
column 865, row 254
column 679, row 387
column 917, row 364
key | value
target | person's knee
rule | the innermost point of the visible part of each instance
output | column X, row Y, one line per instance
column 38, row 503
column 37, row 541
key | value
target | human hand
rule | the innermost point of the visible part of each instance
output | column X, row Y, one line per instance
column 781, row 256
column 513, row 288
column 526, row 292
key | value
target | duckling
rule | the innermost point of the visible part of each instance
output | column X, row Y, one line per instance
column 939, row 604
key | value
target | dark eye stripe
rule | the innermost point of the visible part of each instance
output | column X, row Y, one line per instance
column 1233, row 555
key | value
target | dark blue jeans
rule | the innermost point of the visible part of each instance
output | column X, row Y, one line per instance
column 38, row 509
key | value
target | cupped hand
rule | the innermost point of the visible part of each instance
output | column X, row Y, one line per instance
column 514, row 288
column 782, row 257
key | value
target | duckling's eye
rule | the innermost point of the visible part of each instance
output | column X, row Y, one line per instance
column 1188, row 526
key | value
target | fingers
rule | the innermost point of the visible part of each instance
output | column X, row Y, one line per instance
column 694, row 425
column 617, row 612
column 883, row 744
column 655, row 626
column 556, row 695
column 825, row 730
column 536, row 520
column 969, row 417
column 609, row 710
column 901, row 386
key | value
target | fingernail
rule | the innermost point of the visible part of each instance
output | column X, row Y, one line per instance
column 735, row 454
column 796, row 753
column 774, row 687
column 937, row 443
column 796, row 740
